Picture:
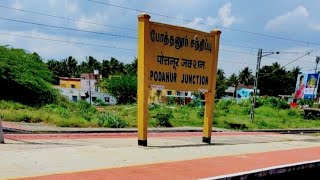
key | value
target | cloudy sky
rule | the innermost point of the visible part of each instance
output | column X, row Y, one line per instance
column 289, row 26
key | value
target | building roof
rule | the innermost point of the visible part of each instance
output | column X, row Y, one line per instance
column 230, row 89
column 69, row 79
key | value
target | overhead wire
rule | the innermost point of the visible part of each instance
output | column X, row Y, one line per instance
column 71, row 42
column 188, row 20
column 67, row 28
column 65, row 18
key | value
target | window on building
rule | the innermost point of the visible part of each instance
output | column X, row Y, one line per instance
column 107, row 99
column 83, row 97
column 73, row 86
column 169, row 92
column 74, row 98
column 178, row 93
column 186, row 93
column 94, row 99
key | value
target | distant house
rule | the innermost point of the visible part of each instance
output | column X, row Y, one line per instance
column 85, row 88
column 245, row 92
column 240, row 92
column 162, row 96
column 230, row 91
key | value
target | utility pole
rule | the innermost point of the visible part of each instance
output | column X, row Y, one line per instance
column 255, row 85
column 260, row 55
column 90, row 91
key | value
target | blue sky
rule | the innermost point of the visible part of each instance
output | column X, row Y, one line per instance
column 292, row 19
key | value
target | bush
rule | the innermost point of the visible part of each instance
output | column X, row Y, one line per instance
column 153, row 106
column 200, row 112
column 195, row 103
column 225, row 103
column 246, row 106
column 273, row 102
column 294, row 113
column 85, row 110
column 163, row 117
column 171, row 100
column 11, row 105
column 306, row 102
column 100, row 102
column 111, row 121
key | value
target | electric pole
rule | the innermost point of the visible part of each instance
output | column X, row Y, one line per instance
column 255, row 90
column 253, row 104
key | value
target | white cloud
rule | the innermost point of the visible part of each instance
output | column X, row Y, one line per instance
column 295, row 18
column 97, row 18
column 17, row 5
column 71, row 7
column 315, row 27
column 225, row 16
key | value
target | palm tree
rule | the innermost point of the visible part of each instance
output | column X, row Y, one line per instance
column 246, row 77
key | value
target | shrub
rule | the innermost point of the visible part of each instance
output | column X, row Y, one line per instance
column 273, row 102
column 62, row 111
column 153, row 106
column 11, row 105
column 171, row 100
column 200, row 112
column 85, row 110
column 185, row 113
column 304, row 102
column 246, row 106
column 111, row 121
column 294, row 113
column 225, row 103
column 163, row 117
column 195, row 103
column 100, row 102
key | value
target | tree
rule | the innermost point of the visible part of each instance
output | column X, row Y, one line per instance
column 25, row 78
column 132, row 68
column 221, row 85
column 246, row 77
column 274, row 80
column 123, row 88
column 233, row 80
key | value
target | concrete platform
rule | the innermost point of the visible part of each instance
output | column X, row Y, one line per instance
column 167, row 156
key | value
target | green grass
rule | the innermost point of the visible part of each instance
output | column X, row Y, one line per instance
column 68, row 114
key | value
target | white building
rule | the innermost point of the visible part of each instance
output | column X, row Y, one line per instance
column 85, row 88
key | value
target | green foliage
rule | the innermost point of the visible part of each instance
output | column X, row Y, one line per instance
column 245, row 76
column 200, row 112
column 124, row 88
column 221, row 85
column 163, row 117
column 100, row 102
column 273, row 102
column 111, row 121
column 153, row 106
column 225, row 103
column 306, row 102
column 195, row 102
column 245, row 106
column 11, row 105
column 280, row 83
column 25, row 77
column 171, row 100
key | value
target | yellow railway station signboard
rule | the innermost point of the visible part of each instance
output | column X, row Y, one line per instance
column 175, row 58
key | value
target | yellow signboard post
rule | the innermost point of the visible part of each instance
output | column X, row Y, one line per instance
column 176, row 58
